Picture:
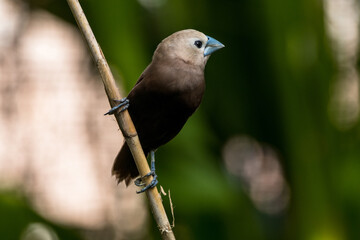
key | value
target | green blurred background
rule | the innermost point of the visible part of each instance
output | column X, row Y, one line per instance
column 276, row 91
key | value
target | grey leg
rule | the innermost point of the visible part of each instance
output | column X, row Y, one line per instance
column 139, row 181
column 123, row 104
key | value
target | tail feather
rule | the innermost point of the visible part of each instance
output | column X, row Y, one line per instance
column 124, row 167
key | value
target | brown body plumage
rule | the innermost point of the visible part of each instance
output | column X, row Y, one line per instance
column 167, row 93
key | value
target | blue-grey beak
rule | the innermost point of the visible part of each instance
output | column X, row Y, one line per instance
column 212, row 45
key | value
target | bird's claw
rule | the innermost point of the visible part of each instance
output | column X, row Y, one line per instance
column 139, row 182
column 123, row 105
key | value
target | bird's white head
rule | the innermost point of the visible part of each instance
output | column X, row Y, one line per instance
column 190, row 46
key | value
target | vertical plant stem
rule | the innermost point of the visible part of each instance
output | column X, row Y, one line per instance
column 123, row 119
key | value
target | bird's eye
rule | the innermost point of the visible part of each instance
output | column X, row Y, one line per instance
column 198, row 44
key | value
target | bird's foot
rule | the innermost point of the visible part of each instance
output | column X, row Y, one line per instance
column 139, row 181
column 123, row 105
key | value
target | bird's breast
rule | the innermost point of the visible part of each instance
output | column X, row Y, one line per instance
column 177, row 75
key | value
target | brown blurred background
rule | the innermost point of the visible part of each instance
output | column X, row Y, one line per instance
column 272, row 153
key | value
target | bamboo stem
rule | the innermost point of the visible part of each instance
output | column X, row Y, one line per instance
column 123, row 119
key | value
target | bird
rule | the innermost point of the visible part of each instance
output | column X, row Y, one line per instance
column 166, row 94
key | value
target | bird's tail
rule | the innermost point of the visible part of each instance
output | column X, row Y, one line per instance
column 124, row 167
